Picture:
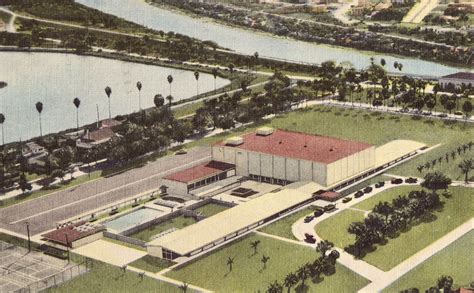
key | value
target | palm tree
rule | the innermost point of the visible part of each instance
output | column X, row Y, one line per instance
column 303, row 274
column 275, row 287
column 184, row 287
column 170, row 81
column 466, row 166
column 159, row 100
column 255, row 55
column 290, row 280
column 170, row 99
column 2, row 120
column 196, row 76
column 108, row 92
column 230, row 263
column 264, row 260
column 139, row 87
column 254, row 245
column 383, row 62
column 39, row 108
column 77, row 103
column 214, row 73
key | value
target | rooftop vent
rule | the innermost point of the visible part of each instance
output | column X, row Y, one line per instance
column 234, row 141
column 265, row 131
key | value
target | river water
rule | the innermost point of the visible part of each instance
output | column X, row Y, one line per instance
column 56, row 79
column 249, row 42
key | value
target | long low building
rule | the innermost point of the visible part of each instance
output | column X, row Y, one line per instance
column 227, row 224
column 282, row 157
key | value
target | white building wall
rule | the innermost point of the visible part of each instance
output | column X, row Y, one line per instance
column 229, row 155
column 266, row 165
column 241, row 166
column 292, row 169
column 350, row 165
column 155, row 251
column 175, row 187
column 306, row 171
column 254, row 163
column 218, row 153
column 87, row 240
column 279, row 169
column 319, row 173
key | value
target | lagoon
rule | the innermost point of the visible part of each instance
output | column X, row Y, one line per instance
column 248, row 42
column 56, row 79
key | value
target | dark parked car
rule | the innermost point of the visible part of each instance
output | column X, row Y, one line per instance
column 411, row 180
column 368, row 189
column 309, row 238
column 359, row 194
column 443, row 115
column 318, row 212
column 330, row 207
column 379, row 184
column 397, row 181
column 347, row 199
column 308, row 219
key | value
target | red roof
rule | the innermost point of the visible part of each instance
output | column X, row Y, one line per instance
column 329, row 196
column 301, row 146
column 200, row 172
column 74, row 232
column 99, row 135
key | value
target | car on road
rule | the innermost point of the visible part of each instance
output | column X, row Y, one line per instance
column 443, row 115
column 308, row 238
column 368, row 189
column 379, row 184
column 329, row 207
column 347, row 199
column 318, row 213
column 181, row 152
column 308, row 219
column 396, row 181
column 359, row 194
column 458, row 113
column 411, row 180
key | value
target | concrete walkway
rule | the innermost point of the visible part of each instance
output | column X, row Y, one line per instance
column 387, row 278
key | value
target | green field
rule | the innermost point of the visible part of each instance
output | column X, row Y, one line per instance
column 107, row 278
column 375, row 128
column 282, row 227
column 178, row 223
column 248, row 275
column 457, row 210
column 151, row 264
column 455, row 261
column 211, row 209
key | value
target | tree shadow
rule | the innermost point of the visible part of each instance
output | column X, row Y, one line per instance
column 302, row 289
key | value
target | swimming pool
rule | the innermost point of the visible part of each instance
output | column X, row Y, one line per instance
column 132, row 219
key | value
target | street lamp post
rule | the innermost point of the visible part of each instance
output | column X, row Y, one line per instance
column 28, row 232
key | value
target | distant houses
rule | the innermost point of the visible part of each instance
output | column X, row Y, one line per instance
column 457, row 80
column 97, row 137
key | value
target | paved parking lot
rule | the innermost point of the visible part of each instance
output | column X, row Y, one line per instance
column 43, row 213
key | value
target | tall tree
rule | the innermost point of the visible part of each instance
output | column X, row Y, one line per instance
column 108, row 92
column 139, row 87
column 158, row 100
column 275, row 287
column 230, row 263
column 467, row 109
column 77, row 103
column 196, row 76
column 170, row 81
column 2, row 120
column 39, row 108
column 170, row 100
column 254, row 245
column 214, row 73
column 264, row 260
column 435, row 181
column 466, row 166
column 290, row 280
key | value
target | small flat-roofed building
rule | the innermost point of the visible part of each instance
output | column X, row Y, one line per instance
column 184, row 181
column 74, row 235
column 457, row 79
column 282, row 157
column 226, row 225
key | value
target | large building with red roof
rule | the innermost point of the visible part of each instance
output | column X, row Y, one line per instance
column 282, row 157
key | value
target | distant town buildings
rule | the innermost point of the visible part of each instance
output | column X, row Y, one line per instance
column 457, row 79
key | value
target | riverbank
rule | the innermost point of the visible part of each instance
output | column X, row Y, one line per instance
column 329, row 44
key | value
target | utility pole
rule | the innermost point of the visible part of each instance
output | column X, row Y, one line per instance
column 98, row 118
column 28, row 232
column 67, row 247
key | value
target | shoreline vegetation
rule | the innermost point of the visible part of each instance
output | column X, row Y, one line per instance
column 310, row 35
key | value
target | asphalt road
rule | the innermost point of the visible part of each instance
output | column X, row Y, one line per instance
column 44, row 212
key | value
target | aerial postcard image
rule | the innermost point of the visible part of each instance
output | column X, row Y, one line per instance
column 248, row 146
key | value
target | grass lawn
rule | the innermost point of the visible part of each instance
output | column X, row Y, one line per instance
column 455, row 261
column 335, row 228
column 151, row 264
column 178, row 223
column 248, row 275
column 282, row 227
column 375, row 128
column 457, row 210
column 107, row 278
column 211, row 209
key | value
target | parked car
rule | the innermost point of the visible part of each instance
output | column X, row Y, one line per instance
column 318, row 212
column 347, row 199
column 309, row 238
column 359, row 194
column 308, row 219
column 396, row 181
column 329, row 207
column 411, row 180
column 368, row 189
column 459, row 113
column 443, row 115
column 181, row 152
column 379, row 184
